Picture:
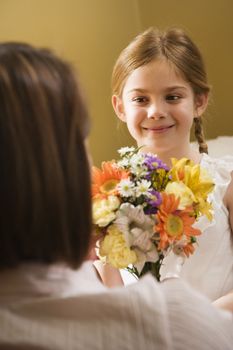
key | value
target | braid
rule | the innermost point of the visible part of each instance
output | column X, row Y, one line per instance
column 199, row 134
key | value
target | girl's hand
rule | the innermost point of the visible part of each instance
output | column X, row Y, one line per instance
column 228, row 201
column 109, row 275
column 225, row 302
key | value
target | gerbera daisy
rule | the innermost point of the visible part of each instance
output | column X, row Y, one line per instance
column 185, row 246
column 188, row 249
column 172, row 223
column 105, row 180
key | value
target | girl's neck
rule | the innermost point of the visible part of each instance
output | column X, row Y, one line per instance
column 166, row 156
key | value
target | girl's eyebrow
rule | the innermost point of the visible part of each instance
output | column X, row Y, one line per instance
column 176, row 87
column 166, row 89
column 137, row 90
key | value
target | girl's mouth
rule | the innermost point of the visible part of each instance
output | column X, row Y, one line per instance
column 159, row 129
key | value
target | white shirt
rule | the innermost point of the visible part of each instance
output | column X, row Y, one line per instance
column 64, row 309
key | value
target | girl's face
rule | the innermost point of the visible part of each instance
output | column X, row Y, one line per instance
column 158, row 106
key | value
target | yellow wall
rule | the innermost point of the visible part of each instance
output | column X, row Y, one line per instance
column 91, row 34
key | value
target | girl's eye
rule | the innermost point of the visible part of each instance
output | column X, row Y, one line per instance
column 140, row 99
column 172, row 97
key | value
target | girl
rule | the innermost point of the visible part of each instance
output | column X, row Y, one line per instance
column 160, row 89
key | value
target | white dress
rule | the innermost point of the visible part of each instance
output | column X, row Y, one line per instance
column 210, row 268
column 58, row 308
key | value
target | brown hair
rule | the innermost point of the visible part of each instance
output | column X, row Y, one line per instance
column 45, row 206
column 178, row 49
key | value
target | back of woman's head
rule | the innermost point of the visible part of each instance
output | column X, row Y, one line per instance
column 45, row 209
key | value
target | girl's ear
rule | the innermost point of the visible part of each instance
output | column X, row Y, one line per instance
column 118, row 107
column 201, row 102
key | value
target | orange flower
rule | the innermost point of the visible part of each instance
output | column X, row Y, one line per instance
column 105, row 180
column 188, row 249
column 173, row 223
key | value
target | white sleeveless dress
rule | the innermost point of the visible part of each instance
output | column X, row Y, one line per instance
column 210, row 268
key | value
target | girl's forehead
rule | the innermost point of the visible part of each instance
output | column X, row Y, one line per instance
column 159, row 66
column 160, row 72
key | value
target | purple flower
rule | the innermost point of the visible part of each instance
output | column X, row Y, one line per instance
column 153, row 163
column 150, row 210
column 154, row 202
column 155, row 198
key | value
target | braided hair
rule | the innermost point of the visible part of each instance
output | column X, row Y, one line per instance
column 199, row 134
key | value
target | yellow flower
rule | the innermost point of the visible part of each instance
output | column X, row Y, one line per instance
column 197, row 180
column 206, row 209
column 114, row 248
column 179, row 189
column 104, row 210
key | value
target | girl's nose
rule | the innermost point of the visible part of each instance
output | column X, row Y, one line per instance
column 155, row 111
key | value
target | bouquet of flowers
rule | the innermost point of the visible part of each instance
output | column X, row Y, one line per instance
column 142, row 209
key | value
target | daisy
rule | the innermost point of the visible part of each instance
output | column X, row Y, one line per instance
column 123, row 163
column 142, row 188
column 137, row 166
column 185, row 246
column 126, row 150
column 126, row 188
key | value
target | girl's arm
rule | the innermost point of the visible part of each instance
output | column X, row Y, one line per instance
column 228, row 200
column 225, row 302
column 109, row 276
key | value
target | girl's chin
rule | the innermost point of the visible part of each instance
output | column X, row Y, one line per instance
column 155, row 148
column 165, row 152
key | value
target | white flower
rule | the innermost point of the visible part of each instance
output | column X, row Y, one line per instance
column 123, row 163
column 126, row 188
column 143, row 257
column 141, row 239
column 143, row 247
column 136, row 165
column 136, row 160
column 128, row 218
column 104, row 210
column 124, row 150
column 142, row 188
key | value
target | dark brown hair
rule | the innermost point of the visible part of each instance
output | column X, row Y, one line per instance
column 45, row 205
column 178, row 49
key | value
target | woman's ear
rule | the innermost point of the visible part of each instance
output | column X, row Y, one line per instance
column 201, row 102
column 118, row 107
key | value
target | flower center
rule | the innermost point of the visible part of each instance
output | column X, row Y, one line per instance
column 174, row 225
column 109, row 186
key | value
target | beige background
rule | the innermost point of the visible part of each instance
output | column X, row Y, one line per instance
column 91, row 34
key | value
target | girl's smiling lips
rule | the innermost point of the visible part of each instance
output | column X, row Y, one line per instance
column 159, row 129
